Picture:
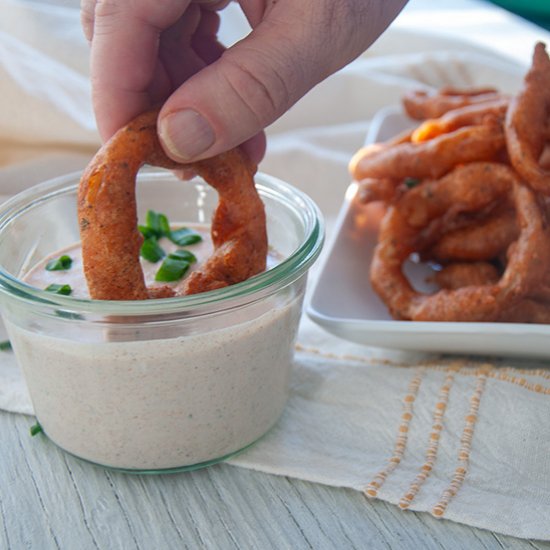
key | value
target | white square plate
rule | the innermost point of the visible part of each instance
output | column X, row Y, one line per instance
column 343, row 302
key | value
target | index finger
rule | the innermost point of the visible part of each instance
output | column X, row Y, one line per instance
column 124, row 51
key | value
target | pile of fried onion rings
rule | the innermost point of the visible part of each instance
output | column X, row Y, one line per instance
column 468, row 192
column 107, row 213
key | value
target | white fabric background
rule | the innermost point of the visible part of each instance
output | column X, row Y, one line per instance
column 342, row 421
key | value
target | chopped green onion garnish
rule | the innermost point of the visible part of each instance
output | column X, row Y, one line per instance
column 184, row 255
column 175, row 266
column 36, row 429
column 158, row 226
column 147, row 232
column 411, row 182
column 184, row 237
column 5, row 345
column 65, row 290
column 158, row 223
column 151, row 250
column 62, row 263
column 172, row 269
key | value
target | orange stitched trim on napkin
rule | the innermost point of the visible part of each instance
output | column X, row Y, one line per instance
column 504, row 376
column 465, row 367
column 433, row 443
column 465, row 447
column 511, row 375
column 371, row 489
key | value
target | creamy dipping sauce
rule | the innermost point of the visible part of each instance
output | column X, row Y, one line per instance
column 163, row 403
column 39, row 277
column 159, row 393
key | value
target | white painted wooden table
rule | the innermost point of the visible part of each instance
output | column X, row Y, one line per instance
column 50, row 500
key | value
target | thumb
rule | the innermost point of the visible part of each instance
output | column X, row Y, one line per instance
column 228, row 102
column 262, row 76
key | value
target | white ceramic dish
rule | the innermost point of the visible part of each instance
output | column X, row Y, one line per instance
column 344, row 303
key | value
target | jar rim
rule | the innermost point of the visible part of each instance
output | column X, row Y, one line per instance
column 251, row 290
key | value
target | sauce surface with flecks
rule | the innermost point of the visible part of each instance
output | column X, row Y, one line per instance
column 39, row 277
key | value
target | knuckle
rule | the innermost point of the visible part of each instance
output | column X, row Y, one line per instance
column 110, row 16
column 108, row 8
column 263, row 90
column 87, row 8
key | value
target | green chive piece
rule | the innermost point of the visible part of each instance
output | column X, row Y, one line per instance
column 36, row 429
column 175, row 266
column 151, row 250
column 61, row 264
column 184, row 236
column 172, row 269
column 147, row 232
column 164, row 225
column 181, row 254
column 411, row 182
column 5, row 345
column 158, row 223
column 64, row 290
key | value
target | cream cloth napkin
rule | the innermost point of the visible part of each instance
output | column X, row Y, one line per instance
column 458, row 438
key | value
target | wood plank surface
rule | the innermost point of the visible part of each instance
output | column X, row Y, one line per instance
column 51, row 500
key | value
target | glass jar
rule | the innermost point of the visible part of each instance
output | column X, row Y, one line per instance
column 156, row 385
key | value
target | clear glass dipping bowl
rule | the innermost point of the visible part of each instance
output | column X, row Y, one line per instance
column 156, row 385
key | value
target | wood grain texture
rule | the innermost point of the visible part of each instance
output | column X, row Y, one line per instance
column 50, row 500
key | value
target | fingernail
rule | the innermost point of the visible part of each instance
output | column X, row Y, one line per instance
column 186, row 134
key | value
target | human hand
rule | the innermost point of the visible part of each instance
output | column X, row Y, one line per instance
column 146, row 52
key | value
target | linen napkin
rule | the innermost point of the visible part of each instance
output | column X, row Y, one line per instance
column 460, row 438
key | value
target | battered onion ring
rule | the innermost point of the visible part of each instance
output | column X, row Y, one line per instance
column 398, row 236
column 531, row 309
column 534, row 308
column 459, row 275
column 527, row 310
column 371, row 190
column 484, row 239
column 470, row 115
column 421, row 105
column 527, row 123
column 108, row 217
column 544, row 160
column 431, row 158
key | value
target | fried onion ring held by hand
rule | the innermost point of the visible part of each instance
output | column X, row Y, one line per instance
column 107, row 215
column 421, row 105
column 527, row 123
column 526, row 268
